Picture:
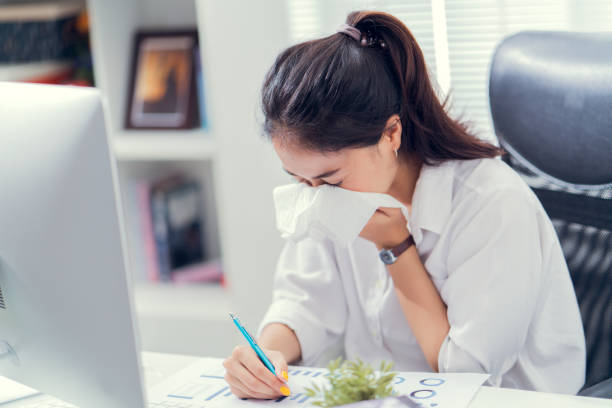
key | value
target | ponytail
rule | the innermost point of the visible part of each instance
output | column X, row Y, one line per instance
column 337, row 92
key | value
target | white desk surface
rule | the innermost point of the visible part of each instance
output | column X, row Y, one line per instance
column 158, row 366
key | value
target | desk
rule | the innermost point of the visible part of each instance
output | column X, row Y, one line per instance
column 158, row 366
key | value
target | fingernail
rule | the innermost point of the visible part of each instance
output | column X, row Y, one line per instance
column 285, row 391
column 285, row 375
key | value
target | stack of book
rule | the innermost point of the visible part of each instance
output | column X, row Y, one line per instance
column 45, row 42
column 172, row 229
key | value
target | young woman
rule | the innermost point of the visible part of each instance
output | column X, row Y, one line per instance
column 477, row 281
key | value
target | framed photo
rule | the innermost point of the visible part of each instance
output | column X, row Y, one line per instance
column 163, row 91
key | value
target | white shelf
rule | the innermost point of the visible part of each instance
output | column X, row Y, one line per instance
column 186, row 319
column 196, row 302
column 164, row 145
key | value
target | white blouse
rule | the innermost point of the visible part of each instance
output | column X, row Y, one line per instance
column 494, row 257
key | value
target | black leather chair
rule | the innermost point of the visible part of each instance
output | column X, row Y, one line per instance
column 551, row 102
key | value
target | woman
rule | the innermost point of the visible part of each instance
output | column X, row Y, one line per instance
column 477, row 281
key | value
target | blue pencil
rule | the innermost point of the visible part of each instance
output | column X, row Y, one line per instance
column 253, row 344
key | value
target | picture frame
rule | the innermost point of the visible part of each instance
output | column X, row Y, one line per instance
column 163, row 90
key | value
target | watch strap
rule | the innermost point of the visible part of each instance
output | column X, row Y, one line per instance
column 401, row 248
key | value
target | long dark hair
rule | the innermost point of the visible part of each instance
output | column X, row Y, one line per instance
column 336, row 92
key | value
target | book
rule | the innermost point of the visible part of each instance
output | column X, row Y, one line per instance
column 38, row 31
column 176, row 224
column 148, row 236
column 210, row 271
column 160, row 232
column 45, row 42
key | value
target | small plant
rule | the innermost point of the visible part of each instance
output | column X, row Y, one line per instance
column 352, row 381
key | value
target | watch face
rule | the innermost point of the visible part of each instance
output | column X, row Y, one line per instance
column 387, row 256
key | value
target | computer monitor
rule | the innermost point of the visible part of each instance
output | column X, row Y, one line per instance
column 66, row 317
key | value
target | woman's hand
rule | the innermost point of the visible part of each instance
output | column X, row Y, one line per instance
column 387, row 228
column 248, row 377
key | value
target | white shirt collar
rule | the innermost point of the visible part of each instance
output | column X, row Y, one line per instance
column 432, row 199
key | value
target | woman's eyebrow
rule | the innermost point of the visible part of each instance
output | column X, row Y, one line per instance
column 320, row 176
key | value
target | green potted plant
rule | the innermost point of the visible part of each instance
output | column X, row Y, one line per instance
column 352, row 381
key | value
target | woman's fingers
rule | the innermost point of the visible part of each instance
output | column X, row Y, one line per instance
column 248, row 377
column 245, row 381
column 252, row 362
column 282, row 369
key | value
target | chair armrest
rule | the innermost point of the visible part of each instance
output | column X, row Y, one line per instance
column 599, row 390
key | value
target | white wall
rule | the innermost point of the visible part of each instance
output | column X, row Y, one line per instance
column 240, row 40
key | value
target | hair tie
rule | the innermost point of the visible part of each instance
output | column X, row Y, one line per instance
column 355, row 33
column 351, row 31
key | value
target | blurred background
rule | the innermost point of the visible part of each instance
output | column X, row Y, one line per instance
column 180, row 80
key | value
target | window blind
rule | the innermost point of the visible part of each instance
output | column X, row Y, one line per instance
column 473, row 28
column 310, row 19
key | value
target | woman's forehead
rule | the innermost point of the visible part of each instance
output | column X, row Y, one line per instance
column 308, row 163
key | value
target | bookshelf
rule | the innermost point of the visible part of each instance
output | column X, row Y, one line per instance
column 236, row 167
column 164, row 145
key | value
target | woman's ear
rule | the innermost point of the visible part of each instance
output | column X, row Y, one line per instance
column 393, row 131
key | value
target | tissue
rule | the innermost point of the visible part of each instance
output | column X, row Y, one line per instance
column 326, row 211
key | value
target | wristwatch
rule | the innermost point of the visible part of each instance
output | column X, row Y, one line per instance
column 389, row 256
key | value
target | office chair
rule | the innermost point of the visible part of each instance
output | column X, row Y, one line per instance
column 550, row 95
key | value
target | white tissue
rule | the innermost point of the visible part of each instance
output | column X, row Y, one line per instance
column 326, row 211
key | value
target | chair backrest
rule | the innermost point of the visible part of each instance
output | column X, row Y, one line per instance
column 551, row 103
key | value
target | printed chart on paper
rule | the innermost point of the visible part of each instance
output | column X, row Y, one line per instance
column 202, row 383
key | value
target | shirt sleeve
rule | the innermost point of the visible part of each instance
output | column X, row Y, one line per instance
column 308, row 297
column 494, row 276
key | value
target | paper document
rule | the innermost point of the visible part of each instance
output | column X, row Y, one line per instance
column 202, row 383
column 11, row 390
